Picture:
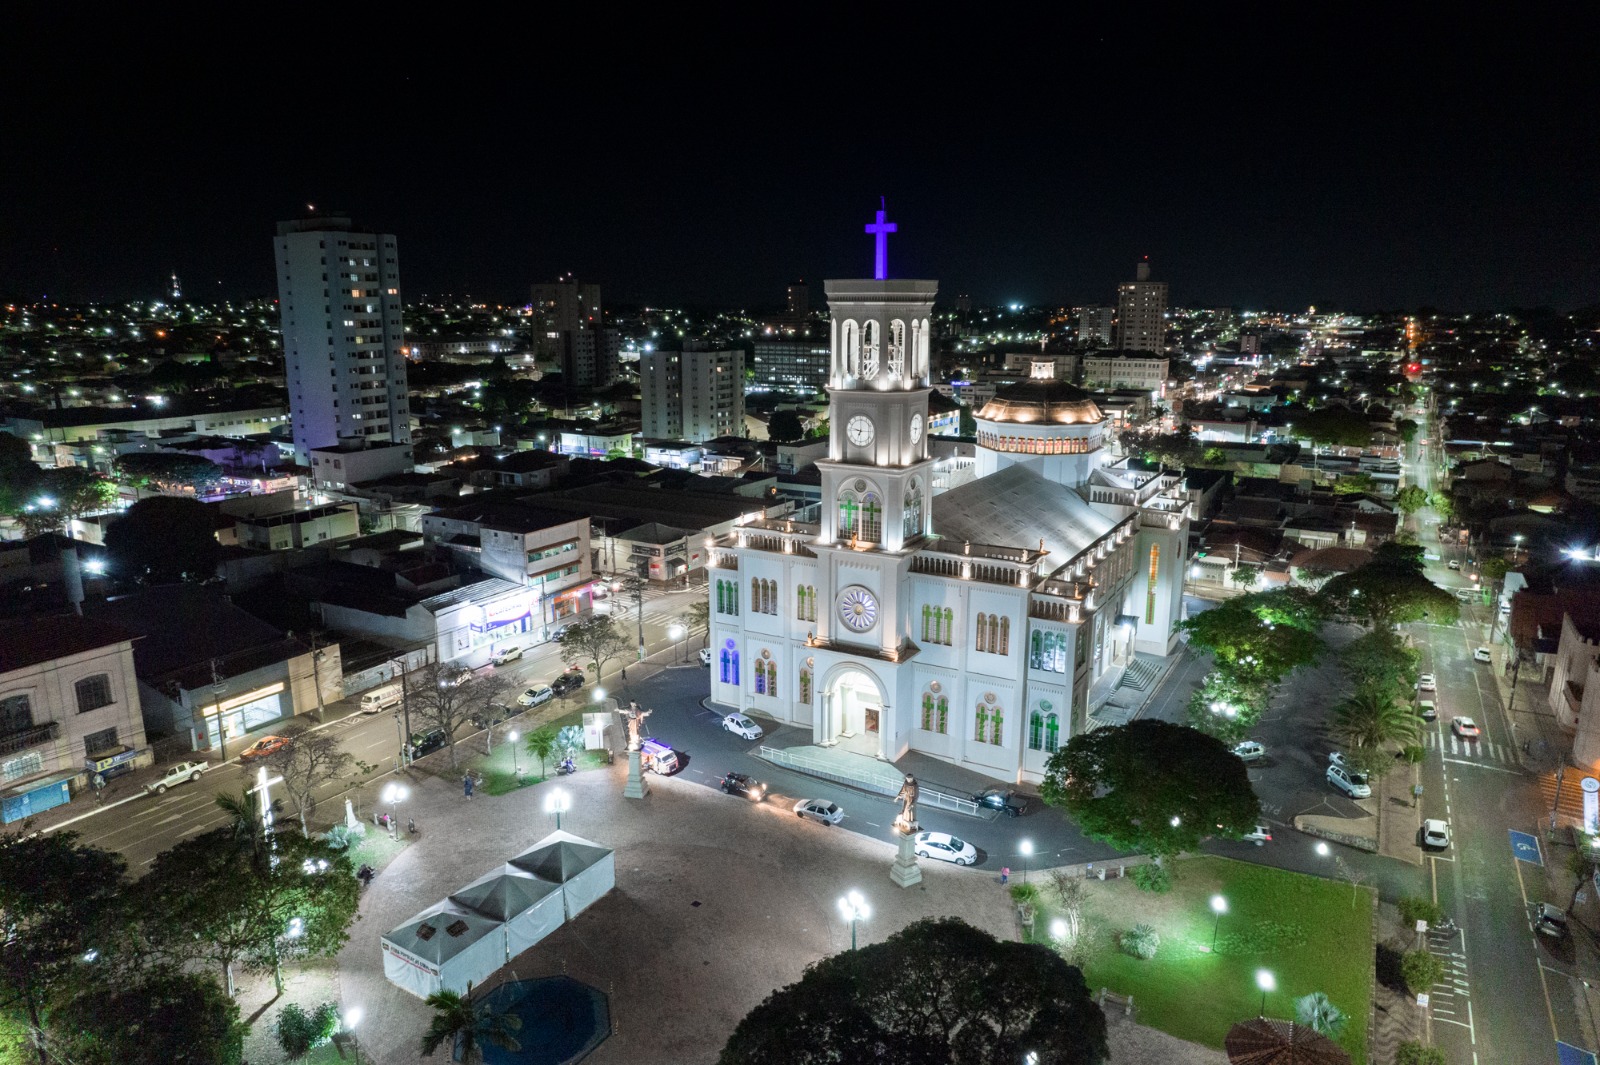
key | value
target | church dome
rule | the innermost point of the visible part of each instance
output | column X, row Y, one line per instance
column 1041, row 400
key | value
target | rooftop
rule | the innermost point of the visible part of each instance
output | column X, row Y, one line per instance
column 1042, row 400
column 37, row 640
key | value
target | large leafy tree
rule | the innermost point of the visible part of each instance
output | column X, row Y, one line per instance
column 1391, row 589
column 157, row 1018
column 1151, row 786
column 165, row 469
column 468, row 1026
column 1334, row 426
column 1367, row 722
column 19, row 474
column 1382, row 661
column 1411, row 499
column 1253, row 647
column 938, row 991
column 785, row 426
column 58, row 901
column 164, row 539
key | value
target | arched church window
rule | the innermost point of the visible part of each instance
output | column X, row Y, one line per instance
column 1052, row 733
column 913, row 509
column 981, row 733
column 993, row 640
column 805, row 685
column 850, row 348
column 871, row 518
column 1035, row 731
column 947, row 637
column 772, row 679
column 942, row 716
column 870, row 341
column 982, row 641
column 897, row 348
column 1060, row 656
column 927, row 712
column 996, row 723
column 849, row 513
column 1005, row 636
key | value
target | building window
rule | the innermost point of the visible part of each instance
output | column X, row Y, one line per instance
column 1052, row 733
column 981, row 643
column 728, row 597
column 1035, row 731
column 805, row 685
column 16, row 714
column 996, row 719
column 981, row 733
column 23, row 765
column 806, row 603
column 104, row 740
column 912, row 521
column 994, row 634
column 730, row 663
column 94, row 692
column 772, row 679
column 1150, row 593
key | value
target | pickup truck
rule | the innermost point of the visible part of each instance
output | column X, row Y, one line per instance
column 176, row 774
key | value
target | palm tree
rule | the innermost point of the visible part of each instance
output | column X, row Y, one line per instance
column 468, row 1025
column 1371, row 718
column 250, row 832
column 1316, row 1012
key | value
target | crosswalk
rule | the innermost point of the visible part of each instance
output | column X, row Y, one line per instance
column 1481, row 750
column 1451, row 996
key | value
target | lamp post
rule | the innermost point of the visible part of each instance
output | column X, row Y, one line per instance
column 1219, row 906
column 675, row 633
column 394, row 794
column 1266, row 982
column 557, row 802
column 516, row 767
column 1026, row 847
column 352, row 1017
column 854, row 909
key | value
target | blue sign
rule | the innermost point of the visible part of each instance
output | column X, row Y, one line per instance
column 1525, row 848
column 1571, row 1055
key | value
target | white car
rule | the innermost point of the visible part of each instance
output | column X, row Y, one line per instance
column 1260, row 837
column 705, row 656
column 1427, row 683
column 506, row 654
column 1435, row 834
column 829, row 813
column 182, row 772
column 1351, row 783
column 742, row 726
column 1250, row 751
column 536, row 696
column 1481, row 654
column 1453, row 564
column 945, row 847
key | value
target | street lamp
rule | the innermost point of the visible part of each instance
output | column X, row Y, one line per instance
column 675, row 633
column 352, row 1017
column 557, row 802
column 599, row 695
column 1026, row 847
column 516, row 769
column 1058, row 931
column 853, row 908
column 1266, row 982
column 394, row 793
column 1219, row 906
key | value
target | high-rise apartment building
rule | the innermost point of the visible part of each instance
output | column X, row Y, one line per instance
column 798, row 304
column 568, row 325
column 339, row 303
column 1095, row 325
column 1142, row 312
column 796, row 365
column 695, row 394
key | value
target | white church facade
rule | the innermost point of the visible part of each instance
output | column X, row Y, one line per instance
column 968, row 625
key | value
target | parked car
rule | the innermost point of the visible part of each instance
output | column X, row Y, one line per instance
column 1260, row 837
column 705, row 656
column 454, row 675
column 380, row 699
column 1337, row 758
column 748, row 786
column 426, row 742
column 496, row 713
column 1250, row 751
column 1427, row 710
column 1004, row 801
column 1453, row 564
column 1481, row 654
column 536, row 695
column 742, row 726
column 945, row 847
column 261, row 748
column 1435, row 834
column 554, row 633
column 828, row 813
column 1466, row 728
column 176, row 774
column 570, row 681
column 505, row 655
column 1351, row 783
column 1426, row 683
column 1550, row 920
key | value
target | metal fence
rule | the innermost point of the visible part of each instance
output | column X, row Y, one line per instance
column 867, row 781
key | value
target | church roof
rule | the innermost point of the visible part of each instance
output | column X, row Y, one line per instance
column 1016, row 507
column 1042, row 400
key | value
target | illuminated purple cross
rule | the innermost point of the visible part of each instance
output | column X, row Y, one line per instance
column 881, row 230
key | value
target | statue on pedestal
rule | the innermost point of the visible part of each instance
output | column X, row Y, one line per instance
column 634, row 716
column 906, row 822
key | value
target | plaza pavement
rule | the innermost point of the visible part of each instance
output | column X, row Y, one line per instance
column 718, row 902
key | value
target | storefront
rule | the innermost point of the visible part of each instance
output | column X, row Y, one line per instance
column 510, row 621
column 112, row 763
column 239, row 714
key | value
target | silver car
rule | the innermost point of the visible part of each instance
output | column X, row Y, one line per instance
column 1435, row 834
column 829, row 813
column 1350, row 782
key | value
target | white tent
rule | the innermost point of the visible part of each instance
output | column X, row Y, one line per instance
column 585, row 870
column 529, row 907
column 444, row 946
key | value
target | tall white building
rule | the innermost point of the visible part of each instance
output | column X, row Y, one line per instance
column 1095, row 326
column 969, row 625
column 339, row 302
column 693, row 395
column 1142, row 312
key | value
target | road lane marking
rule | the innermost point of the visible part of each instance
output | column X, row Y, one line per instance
column 1484, row 765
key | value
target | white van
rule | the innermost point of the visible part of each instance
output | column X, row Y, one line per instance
column 380, row 699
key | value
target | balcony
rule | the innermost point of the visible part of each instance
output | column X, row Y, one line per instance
column 33, row 736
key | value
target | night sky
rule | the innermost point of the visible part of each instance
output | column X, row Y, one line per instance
column 1350, row 165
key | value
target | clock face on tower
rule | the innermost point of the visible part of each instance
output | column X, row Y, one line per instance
column 860, row 430
column 916, row 428
column 858, row 608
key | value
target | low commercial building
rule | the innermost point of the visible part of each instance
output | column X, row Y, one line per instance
column 69, row 708
column 464, row 625
column 546, row 550
column 1112, row 372
column 356, row 462
column 599, row 441
column 302, row 527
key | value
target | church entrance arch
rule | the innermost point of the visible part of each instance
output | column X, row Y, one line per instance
column 854, row 710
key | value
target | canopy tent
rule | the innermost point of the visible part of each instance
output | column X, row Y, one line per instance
column 584, row 869
column 529, row 907
column 443, row 947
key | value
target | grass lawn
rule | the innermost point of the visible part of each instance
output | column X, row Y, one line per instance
column 1303, row 929
column 377, row 849
column 511, row 767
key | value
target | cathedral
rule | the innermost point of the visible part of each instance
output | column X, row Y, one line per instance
column 969, row 625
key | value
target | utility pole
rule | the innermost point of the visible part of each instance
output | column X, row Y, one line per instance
column 405, row 708
column 216, row 701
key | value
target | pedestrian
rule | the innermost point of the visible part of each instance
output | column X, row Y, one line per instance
column 99, row 783
column 1005, row 873
column 466, row 785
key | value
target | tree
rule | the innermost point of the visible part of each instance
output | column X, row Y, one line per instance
column 1354, row 484
column 1369, row 720
column 1317, row 1012
column 1410, row 499
column 1581, row 863
column 308, row 761
column 164, row 539
column 439, row 701
column 1443, row 505
column 19, row 474
column 593, row 644
column 159, row 1018
column 300, row 1032
column 541, row 743
column 58, row 900
column 1227, row 707
column 1249, row 646
column 1151, row 787
column 785, row 426
column 167, row 470
column 697, row 618
column 1381, row 661
column 468, row 1026
column 1407, row 429
column 1246, row 576
column 1334, row 427
column 939, row 990
column 1391, row 589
